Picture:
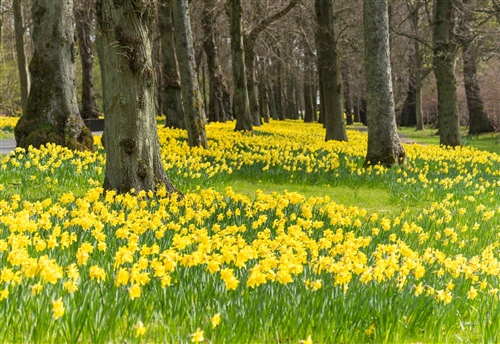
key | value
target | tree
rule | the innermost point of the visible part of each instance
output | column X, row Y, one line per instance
column 84, row 16
column 331, row 85
column 22, row 65
column 240, row 97
column 51, row 113
column 193, row 106
column 133, row 160
column 171, row 96
column 220, row 100
column 479, row 121
column 384, row 146
column 444, row 62
column 250, row 39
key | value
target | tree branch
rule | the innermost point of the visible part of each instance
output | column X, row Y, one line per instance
column 264, row 23
column 412, row 36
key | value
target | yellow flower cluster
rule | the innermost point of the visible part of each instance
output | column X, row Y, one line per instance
column 67, row 245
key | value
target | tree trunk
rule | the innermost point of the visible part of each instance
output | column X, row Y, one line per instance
column 84, row 15
column 218, row 106
column 133, row 160
column 193, row 105
column 309, row 99
column 478, row 119
column 409, row 111
column 273, row 107
column 264, row 100
column 346, row 78
column 249, row 46
column 252, row 86
column 279, row 89
column 240, row 98
column 444, row 63
column 384, row 146
column 291, row 106
column 22, row 65
column 172, row 106
column 330, row 72
column 414, row 20
column 51, row 113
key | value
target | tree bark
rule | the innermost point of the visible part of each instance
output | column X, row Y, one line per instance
column 193, row 106
column 309, row 99
column 279, row 88
column 22, row 65
column 219, row 105
column 346, row 78
column 384, row 146
column 171, row 98
column 409, row 111
column 444, row 64
column 264, row 100
column 84, row 15
column 133, row 160
column 273, row 108
column 240, row 98
column 330, row 71
column 414, row 20
column 51, row 113
column 479, row 121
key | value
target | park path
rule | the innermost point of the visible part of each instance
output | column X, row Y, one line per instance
column 8, row 145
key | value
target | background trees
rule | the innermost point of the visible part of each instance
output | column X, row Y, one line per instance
column 286, row 72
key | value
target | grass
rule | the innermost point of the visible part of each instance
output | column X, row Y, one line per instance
column 488, row 142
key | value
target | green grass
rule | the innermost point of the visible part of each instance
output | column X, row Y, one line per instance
column 369, row 198
column 6, row 134
column 489, row 142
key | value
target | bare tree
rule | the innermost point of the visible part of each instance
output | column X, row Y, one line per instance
column 444, row 63
column 51, row 113
column 250, row 39
column 384, row 146
column 84, row 17
column 479, row 121
column 331, row 85
column 22, row 64
column 240, row 97
column 171, row 91
column 220, row 100
column 133, row 160
column 194, row 113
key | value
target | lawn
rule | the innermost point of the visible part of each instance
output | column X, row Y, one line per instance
column 281, row 238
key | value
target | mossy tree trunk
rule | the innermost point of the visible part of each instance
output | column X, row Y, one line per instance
column 51, row 113
column 171, row 81
column 384, row 146
column 133, row 160
column 444, row 70
column 84, row 16
column 194, row 112
column 240, row 97
column 330, row 72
